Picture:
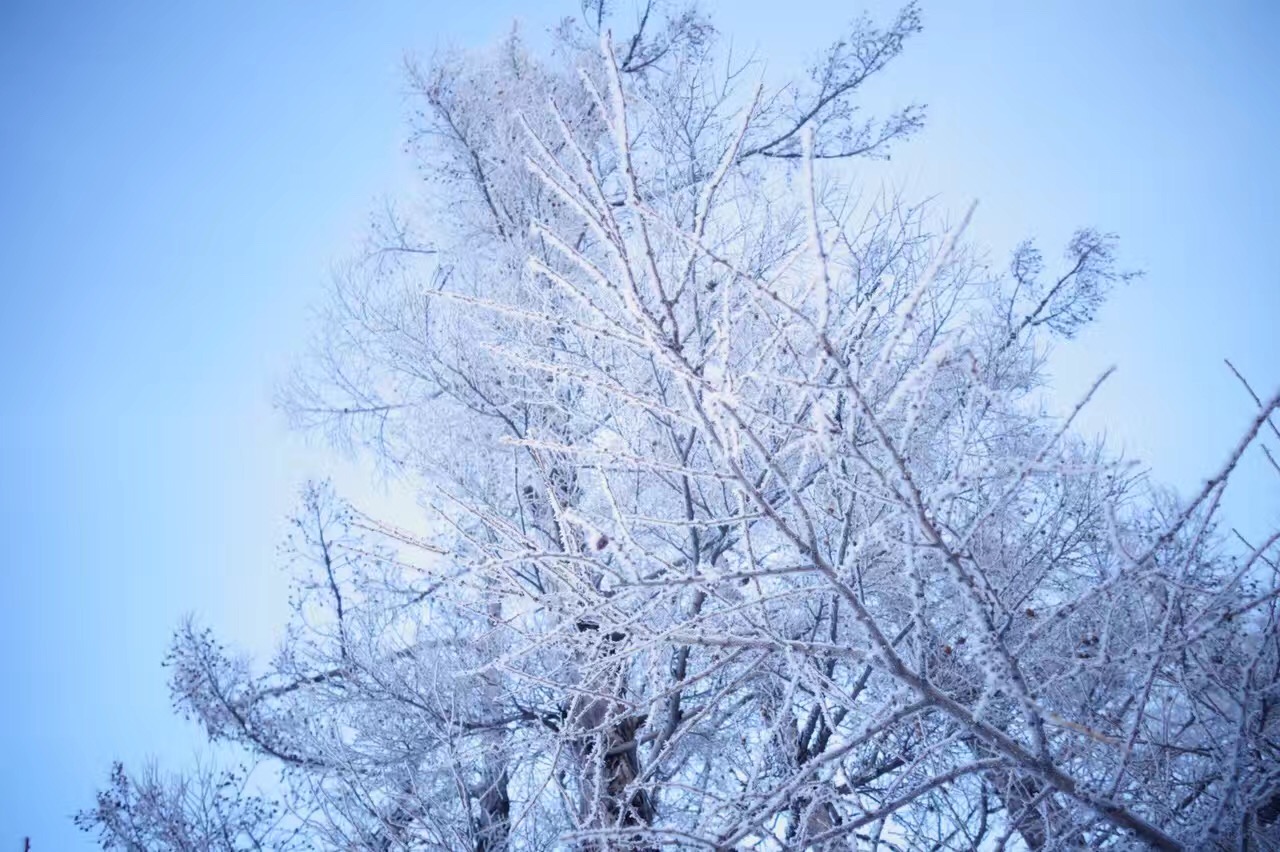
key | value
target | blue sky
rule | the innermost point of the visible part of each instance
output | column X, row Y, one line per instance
column 177, row 178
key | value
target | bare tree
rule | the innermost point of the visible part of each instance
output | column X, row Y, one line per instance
column 206, row 809
column 745, row 525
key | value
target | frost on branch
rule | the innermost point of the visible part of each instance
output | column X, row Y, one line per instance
column 206, row 809
column 743, row 523
column 1071, row 300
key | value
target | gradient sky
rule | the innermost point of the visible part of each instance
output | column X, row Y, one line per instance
column 176, row 179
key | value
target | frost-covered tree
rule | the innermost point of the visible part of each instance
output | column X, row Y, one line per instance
column 204, row 809
column 744, row 525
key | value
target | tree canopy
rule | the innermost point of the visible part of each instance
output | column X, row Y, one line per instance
column 744, row 525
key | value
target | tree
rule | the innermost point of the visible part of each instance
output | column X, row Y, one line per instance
column 746, row 528
column 206, row 809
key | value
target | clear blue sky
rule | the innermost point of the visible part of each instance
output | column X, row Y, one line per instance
column 175, row 179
